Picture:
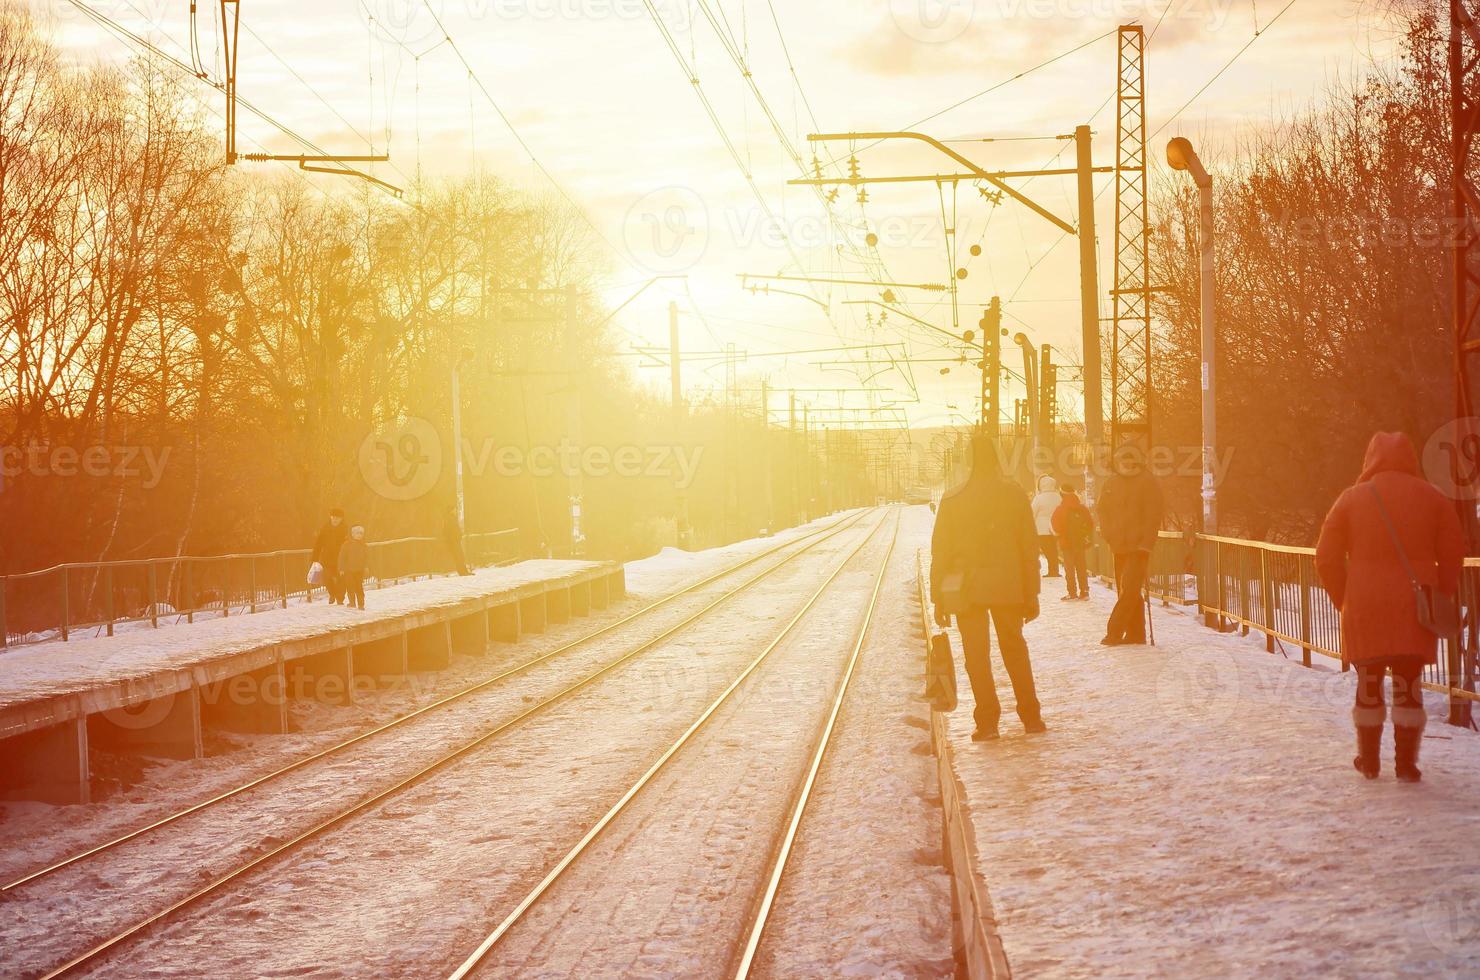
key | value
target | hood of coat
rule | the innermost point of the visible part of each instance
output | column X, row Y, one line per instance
column 1389, row 452
column 1047, row 484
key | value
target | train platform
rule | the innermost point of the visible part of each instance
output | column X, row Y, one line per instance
column 158, row 691
column 1193, row 811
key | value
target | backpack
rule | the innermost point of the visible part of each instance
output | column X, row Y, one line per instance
column 1077, row 525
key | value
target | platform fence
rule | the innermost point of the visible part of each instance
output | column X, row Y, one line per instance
column 94, row 598
column 1247, row 586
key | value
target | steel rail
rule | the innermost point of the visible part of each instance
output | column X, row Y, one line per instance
column 396, row 722
column 493, row 939
column 773, row 883
column 442, row 762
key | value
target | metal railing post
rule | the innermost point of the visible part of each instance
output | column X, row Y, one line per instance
column 1305, row 612
column 226, row 589
column 4, row 626
column 187, row 578
column 283, row 576
column 1266, row 600
column 66, row 604
column 108, row 592
column 252, row 584
column 153, row 595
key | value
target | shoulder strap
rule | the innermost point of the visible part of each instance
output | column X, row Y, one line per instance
column 1393, row 533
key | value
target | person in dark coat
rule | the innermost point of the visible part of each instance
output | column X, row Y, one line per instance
column 1074, row 525
column 984, row 570
column 326, row 547
column 452, row 536
column 1131, row 507
column 1361, row 568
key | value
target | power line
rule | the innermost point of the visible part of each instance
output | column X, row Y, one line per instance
column 994, row 87
column 114, row 27
column 519, row 138
column 1228, row 64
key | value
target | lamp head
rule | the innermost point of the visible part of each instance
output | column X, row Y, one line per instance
column 1181, row 156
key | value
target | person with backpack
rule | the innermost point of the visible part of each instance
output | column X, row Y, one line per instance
column 1074, row 525
column 984, row 571
column 1389, row 555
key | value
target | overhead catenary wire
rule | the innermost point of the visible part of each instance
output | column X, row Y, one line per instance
column 519, row 137
column 114, row 27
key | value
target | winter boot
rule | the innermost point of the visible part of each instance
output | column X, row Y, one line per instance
column 1408, row 724
column 1368, row 722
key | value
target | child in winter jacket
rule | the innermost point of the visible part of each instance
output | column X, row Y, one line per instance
column 1074, row 525
column 354, row 563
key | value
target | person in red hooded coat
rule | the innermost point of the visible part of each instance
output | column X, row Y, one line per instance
column 1361, row 568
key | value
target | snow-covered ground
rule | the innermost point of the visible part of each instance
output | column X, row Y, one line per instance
column 411, row 884
column 59, row 669
column 1193, row 811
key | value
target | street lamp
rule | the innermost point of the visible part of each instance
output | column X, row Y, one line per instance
column 1030, row 377
column 1182, row 156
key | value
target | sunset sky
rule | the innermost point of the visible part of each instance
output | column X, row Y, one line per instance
column 595, row 92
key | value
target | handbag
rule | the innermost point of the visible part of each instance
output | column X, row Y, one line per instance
column 940, row 673
column 1437, row 612
column 316, row 574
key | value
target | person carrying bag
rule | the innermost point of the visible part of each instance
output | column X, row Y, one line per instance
column 1389, row 555
column 984, row 572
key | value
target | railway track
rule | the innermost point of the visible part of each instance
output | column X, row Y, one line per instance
column 744, row 953
column 401, row 720
column 94, row 954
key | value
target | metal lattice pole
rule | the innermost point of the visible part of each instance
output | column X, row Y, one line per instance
column 1130, row 365
column 1464, row 93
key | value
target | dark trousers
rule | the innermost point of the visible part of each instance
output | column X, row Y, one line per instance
column 976, row 643
column 1128, row 618
column 455, row 549
column 353, row 584
column 1049, row 545
column 1407, row 690
column 1076, row 569
column 333, row 584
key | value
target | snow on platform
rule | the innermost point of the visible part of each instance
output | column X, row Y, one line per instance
column 1193, row 811
column 52, row 682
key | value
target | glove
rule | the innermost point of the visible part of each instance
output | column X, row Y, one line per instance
column 942, row 619
column 1030, row 609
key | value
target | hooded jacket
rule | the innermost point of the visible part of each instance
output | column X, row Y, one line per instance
column 1045, row 502
column 984, row 530
column 1360, row 566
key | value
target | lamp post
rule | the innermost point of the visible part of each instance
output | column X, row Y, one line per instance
column 1182, row 156
column 1030, row 374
